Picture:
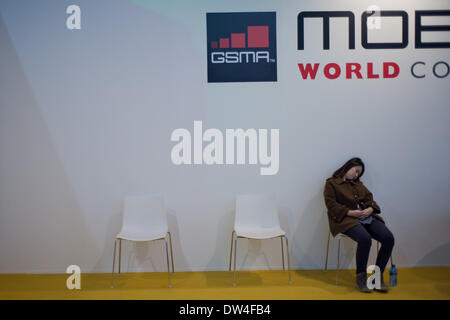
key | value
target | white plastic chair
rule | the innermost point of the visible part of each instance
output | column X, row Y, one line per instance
column 339, row 237
column 256, row 217
column 144, row 219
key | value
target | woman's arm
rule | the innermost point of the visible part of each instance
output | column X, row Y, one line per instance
column 368, row 200
column 336, row 210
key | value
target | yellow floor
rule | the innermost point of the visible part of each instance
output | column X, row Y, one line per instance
column 414, row 283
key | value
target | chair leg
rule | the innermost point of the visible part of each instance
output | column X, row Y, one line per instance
column 282, row 252
column 168, row 265
column 234, row 272
column 171, row 252
column 114, row 263
column 338, row 258
column 288, row 260
column 120, row 253
column 326, row 258
column 231, row 250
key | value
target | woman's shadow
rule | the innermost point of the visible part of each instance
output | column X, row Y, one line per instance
column 310, row 245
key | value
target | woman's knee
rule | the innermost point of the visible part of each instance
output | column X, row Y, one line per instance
column 388, row 239
column 365, row 241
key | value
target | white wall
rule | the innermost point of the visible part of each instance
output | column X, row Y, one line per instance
column 86, row 118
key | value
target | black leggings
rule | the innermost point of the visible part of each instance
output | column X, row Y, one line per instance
column 363, row 234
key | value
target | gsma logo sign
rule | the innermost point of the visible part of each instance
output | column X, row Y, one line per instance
column 242, row 46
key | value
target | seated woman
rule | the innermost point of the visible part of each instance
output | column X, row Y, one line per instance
column 353, row 212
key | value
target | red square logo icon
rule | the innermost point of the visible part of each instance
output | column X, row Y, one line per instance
column 258, row 36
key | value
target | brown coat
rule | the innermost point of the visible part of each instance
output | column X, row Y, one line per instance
column 340, row 197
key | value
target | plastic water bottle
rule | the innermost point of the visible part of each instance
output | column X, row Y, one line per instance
column 393, row 276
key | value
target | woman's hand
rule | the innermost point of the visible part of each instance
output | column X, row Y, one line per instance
column 355, row 213
column 360, row 214
column 366, row 212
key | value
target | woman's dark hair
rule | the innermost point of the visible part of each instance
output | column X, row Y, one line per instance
column 353, row 162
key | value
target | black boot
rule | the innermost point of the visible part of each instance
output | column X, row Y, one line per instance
column 361, row 282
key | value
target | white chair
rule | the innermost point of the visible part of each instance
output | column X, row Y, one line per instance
column 256, row 217
column 339, row 237
column 144, row 219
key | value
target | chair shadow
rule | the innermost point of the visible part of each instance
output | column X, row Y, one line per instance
column 136, row 254
column 346, row 278
column 246, row 249
column 218, row 279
